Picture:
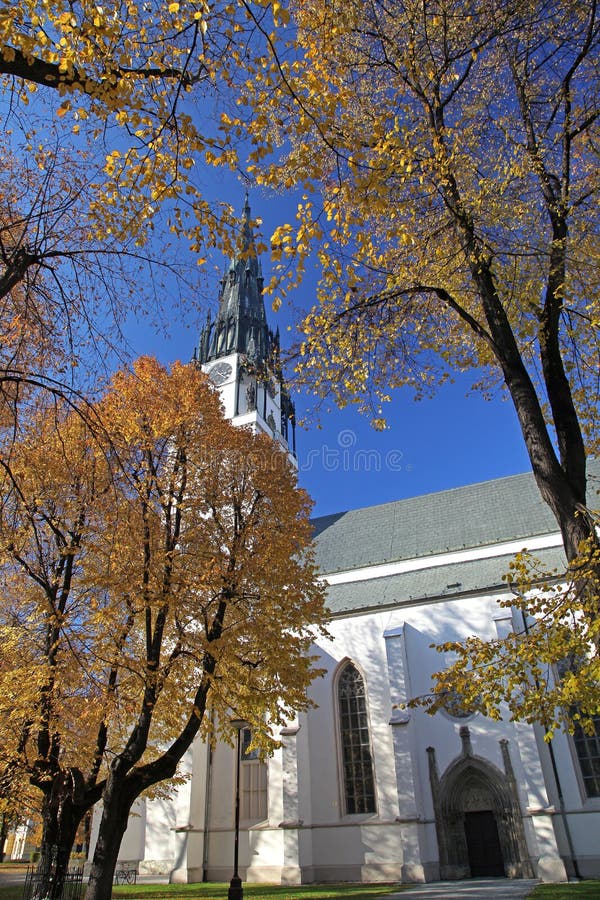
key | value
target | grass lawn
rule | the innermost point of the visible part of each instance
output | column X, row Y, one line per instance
column 584, row 890
column 212, row 891
column 11, row 892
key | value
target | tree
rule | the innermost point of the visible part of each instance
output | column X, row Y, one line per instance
column 219, row 573
column 55, row 487
column 454, row 150
column 192, row 565
column 457, row 150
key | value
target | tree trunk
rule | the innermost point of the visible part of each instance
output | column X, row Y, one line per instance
column 64, row 806
column 3, row 834
column 125, row 783
column 564, row 492
column 562, row 483
column 58, row 836
column 117, row 803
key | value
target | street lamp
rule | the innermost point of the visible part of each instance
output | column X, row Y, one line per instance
column 236, row 891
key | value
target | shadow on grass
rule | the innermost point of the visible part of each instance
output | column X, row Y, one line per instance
column 11, row 892
column 584, row 890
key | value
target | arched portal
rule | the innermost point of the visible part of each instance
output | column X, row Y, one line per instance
column 478, row 820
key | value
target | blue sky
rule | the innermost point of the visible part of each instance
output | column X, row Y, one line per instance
column 453, row 439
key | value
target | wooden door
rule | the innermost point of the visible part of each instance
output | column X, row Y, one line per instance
column 483, row 844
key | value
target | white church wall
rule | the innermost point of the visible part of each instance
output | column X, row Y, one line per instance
column 406, row 798
column 304, row 737
column 582, row 813
column 265, row 858
column 307, row 835
column 190, row 825
column 159, row 856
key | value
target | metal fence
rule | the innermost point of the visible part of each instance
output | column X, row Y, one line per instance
column 40, row 885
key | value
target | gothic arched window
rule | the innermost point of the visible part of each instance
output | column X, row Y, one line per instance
column 357, row 766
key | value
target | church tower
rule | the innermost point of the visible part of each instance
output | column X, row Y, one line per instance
column 241, row 354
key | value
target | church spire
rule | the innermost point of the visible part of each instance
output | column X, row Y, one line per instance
column 240, row 352
column 241, row 324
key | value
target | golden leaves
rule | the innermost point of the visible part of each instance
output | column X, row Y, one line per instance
column 409, row 126
column 183, row 536
column 546, row 669
column 129, row 64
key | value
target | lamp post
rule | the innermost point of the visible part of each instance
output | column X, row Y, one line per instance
column 236, row 891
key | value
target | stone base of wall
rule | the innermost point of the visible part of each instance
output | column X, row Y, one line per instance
column 155, row 866
column 550, row 868
column 589, row 866
column 373, row 872
column 274, row 874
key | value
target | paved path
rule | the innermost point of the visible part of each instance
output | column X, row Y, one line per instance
column 12, row 875
column 473, row 889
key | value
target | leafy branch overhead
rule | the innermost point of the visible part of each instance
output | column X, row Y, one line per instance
column 546, row 669
column 141, row 81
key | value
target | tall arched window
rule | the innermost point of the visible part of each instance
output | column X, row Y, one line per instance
column 359, row 788
column 588, row 754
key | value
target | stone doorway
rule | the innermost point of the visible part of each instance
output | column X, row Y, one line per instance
column 478, row 818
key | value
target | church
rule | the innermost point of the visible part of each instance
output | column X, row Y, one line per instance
column 360, row 788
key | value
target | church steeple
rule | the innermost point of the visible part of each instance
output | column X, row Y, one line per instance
column 241, row 353
column 241, row 324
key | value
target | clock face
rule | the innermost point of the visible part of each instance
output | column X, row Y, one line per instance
column 220, row 372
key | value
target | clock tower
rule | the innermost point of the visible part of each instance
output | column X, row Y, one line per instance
column 241, row 354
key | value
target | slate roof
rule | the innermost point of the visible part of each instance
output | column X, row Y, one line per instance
column 478, row 515
column 426, row 585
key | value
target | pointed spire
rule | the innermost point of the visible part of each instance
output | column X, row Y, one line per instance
column 241, row 324
column 257, row 395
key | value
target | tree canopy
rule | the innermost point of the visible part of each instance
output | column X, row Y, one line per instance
column 448, row 155
column 150, row 573
column 453, row 154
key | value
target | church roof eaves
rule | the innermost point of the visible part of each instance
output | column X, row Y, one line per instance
column 437, row 584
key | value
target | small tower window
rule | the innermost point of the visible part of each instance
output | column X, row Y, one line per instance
column 357, row 765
